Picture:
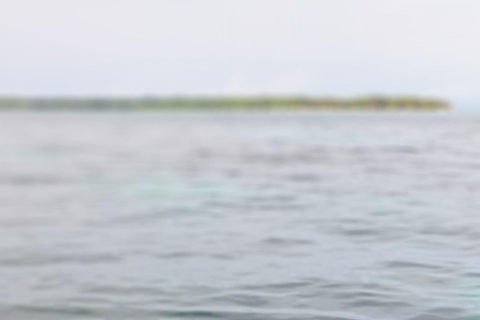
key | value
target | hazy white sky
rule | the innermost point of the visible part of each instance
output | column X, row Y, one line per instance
column 339, row 47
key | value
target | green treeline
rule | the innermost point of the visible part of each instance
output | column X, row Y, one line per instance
column 226, row 103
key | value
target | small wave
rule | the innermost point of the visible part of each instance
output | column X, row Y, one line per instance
column 280, row 286
column 52, row 312
column 429, row 316
column 33, row 180
column 257, row 314
column 30, row 260
column 280, row 241
column 397, row 264
column 401, row 149
column 377, row 303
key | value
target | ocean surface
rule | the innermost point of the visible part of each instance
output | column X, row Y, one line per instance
column 239, row 216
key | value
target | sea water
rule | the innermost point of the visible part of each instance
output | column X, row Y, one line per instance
column 239, row 216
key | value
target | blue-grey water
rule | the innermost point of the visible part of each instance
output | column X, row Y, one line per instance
column 239, row 216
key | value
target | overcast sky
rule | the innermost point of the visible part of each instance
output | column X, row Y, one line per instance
column 337, row 47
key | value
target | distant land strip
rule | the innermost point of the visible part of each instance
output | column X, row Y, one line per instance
column 226, row 103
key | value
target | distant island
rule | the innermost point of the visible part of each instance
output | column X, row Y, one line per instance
column 226, row 103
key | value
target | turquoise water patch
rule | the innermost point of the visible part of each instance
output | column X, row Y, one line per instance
column 175, row 188
column 167, row 188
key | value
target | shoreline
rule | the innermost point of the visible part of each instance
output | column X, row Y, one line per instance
column 247, row 103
